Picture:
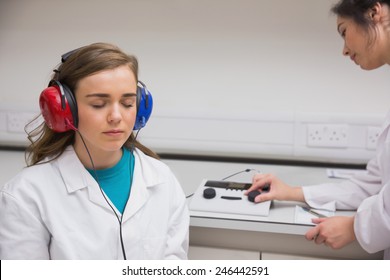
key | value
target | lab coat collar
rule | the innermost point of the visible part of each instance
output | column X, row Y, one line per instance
column 76, row 177
column 145, row 168
column 385, row 128
column 73, row 172
column 145, row 177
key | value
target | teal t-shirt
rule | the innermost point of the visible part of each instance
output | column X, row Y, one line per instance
column 116, row 181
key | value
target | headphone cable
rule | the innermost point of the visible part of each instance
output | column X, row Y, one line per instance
column 104, row 196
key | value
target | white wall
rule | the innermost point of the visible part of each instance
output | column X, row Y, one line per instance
column 200, row 56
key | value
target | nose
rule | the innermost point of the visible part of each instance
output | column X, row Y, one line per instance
column 345, row 50
column 114, row 115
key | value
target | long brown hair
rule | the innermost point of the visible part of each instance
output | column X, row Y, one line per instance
column 49, row 145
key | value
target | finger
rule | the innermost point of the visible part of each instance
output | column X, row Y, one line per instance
column 318, row 220
column 319, row 239
column 312, row 234
column 263, row 197
column 257, row 178
column 255, row 186
column 258, row 184
column 326, row 243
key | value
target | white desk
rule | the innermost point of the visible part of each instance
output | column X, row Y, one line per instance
column 226, row 236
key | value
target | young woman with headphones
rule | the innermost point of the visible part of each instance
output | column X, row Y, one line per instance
column 91, row 190
column 364, row 26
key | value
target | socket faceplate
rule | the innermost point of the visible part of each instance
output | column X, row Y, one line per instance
column 327, row 135
column 16, row 121
column 373, row 133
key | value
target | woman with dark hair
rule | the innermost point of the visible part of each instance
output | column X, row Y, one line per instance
column 91, row 191
column 365, row 27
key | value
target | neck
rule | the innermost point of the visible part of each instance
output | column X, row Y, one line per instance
column 101, row 159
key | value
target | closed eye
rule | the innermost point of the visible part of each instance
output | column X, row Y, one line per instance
column 129, row 102
column 128, row 105
column 98, row 105
column 100, row 100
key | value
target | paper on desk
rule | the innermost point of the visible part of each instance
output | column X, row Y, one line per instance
column 343, row 173
column 304, row 217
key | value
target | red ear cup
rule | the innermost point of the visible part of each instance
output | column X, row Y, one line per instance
column 58, row 107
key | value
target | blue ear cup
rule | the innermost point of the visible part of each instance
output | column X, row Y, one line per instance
column 144, row 106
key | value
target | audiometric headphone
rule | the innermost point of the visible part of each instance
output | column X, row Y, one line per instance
column 59, row 107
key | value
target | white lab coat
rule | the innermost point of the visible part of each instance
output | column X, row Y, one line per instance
column 369, row 193
column 55, row 210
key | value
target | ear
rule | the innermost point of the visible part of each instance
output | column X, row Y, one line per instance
column 375, row 13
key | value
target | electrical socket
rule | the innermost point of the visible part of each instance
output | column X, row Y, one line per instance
column 327, row 135
column 16, row 121
column 373, row 133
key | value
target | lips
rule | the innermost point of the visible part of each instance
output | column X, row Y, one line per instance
column 113, row 132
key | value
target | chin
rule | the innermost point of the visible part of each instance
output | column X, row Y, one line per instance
column 366, row 68
column 371, row 66
column 113, row 147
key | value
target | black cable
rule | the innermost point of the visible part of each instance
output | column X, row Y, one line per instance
column 104, row 196
column 246, row 170
column 135, row 137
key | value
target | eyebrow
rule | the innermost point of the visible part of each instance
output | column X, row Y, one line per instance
column 106, row 95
